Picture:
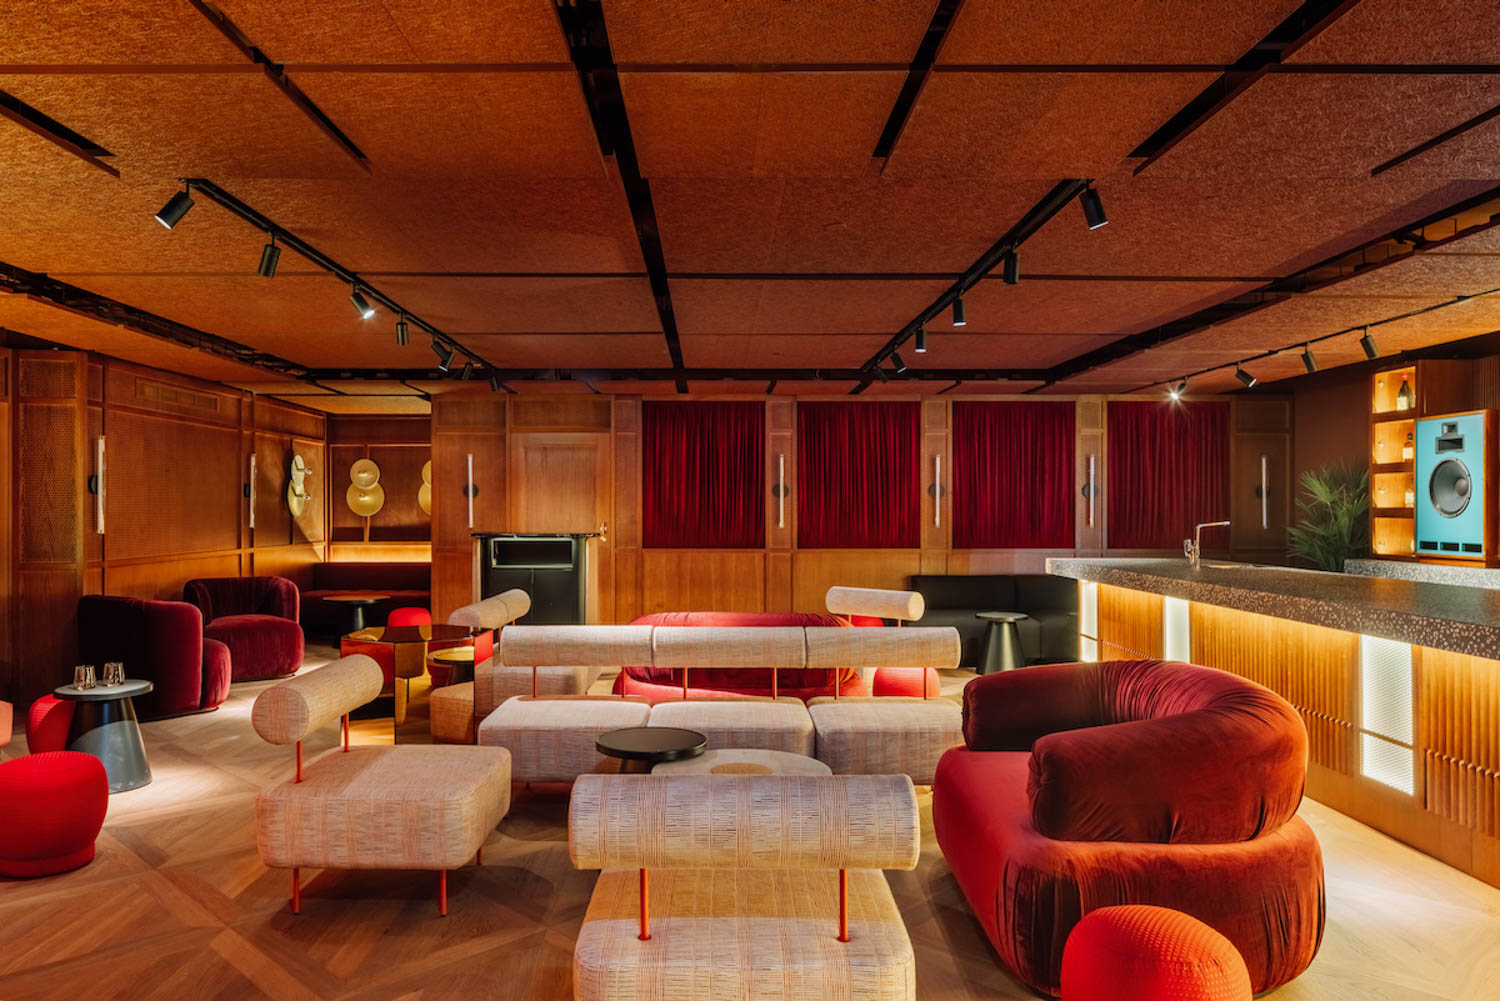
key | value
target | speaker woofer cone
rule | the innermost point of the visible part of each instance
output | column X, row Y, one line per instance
column 1450, row 488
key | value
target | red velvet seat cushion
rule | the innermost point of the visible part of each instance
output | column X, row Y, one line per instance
column 59, row 800
column 1142, row 953
column 1029, row 890
column 217, row 673
column 47, row 724
column 260, row 646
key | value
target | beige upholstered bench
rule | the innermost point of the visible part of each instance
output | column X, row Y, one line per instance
column 738, row 886
column 769, row 724
column 451, row 713
column 685, row 647
column 885, row 735
column 407, row 807
column 552, row 739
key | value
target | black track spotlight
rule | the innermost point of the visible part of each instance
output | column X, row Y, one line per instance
column 365, row 309
column 1245, row 377
column 1308, row 361
column 960, row 318
column 444, row 353
column 920, row 345
column 1176, row 390
column 900, row 365
column 467, row 372
column 1368, row 343
column 403, row 333
column 494, row 382
column 1093, row 208
column 171, row 213
column 880, row 374
column 1010, row 267
column 268, row 258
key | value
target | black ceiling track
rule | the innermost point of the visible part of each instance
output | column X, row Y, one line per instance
column 1035, row 218
column 19, row 281
column 1287, row 37
column 588, row 44
column 916, row 76
column 55, row 132
column 748, row 375
column 1399, row 245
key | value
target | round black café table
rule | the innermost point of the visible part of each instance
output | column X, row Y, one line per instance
column 104, row 725
column 354, row 606
column 651, row 745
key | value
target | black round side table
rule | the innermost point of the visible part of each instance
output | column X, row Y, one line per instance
column 1002, row 642
column 104, row 725
column 651, row 745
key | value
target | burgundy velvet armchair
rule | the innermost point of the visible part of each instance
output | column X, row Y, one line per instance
column 160, row 641
column 256, row 618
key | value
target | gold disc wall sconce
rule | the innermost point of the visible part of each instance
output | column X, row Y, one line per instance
column 424, row 492
column 297, row 495
column 365, row 495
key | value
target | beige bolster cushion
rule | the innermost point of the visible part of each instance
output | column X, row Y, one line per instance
column 493, row 612
column 744, row 822
column 287, row 712
column 729, row 646
column 914, row 646
column 575, row 646
column 905, row 605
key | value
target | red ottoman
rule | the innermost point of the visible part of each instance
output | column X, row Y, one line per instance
column 63, row 796
column 907, row 682
column 1138, row 953
column 47, row 724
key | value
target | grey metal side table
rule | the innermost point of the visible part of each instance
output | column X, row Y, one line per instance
column 1002, row 642
column 104, row 725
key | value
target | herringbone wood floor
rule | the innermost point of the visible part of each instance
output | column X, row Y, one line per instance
column 177, row 907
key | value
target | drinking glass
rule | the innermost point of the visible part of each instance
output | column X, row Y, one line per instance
column 114, row 673
column 83, row 676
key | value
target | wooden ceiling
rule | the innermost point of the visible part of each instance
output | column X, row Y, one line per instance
column 758, row 185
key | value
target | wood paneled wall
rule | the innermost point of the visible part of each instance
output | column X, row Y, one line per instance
column 400, row 446
column 545, row 463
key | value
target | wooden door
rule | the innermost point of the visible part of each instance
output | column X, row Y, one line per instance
column 562, row 482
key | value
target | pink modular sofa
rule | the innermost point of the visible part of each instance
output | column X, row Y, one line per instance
column 661, row 684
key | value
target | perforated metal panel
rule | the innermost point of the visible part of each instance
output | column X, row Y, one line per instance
column 1387, row 763
column 46, row 377
column 47, row 442
column 1385, row 699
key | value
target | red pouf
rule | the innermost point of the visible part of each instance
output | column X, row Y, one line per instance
column 56, row 803
column 47, row 724
column 907, row 682
column 1138, row 953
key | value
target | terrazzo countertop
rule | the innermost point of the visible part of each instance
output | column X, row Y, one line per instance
column 1444, row 616
column 1432, row 573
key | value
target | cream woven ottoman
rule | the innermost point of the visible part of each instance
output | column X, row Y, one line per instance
column 552, row 740
column 886, row 736
column 451, row 713
column 769, row 724
column 744, row 761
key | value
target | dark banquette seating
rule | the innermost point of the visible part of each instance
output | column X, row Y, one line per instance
column 256, row 618
column 161, row 642
column 1049, row 633
column 406, row 584
column 1081, row 786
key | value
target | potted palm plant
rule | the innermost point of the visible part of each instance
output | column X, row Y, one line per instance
column 1334, row 524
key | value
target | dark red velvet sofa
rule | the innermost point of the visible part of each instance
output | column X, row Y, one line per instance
column 660, row 683
column 160, row 641
column 1082, row 786
column 256, row 618
column 406, row 584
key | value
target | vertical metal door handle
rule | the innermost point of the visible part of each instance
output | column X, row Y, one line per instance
column 469, row 489
column 99, row 495
column 252, row 490
column 1265, row 493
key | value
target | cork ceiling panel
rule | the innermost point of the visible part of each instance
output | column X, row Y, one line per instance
column 778, row 307
column 571, row 351
column 1407, row 31
column 463, row 305
column 1121, row 31
column 171, row 125
column 1083, row 307
column 402, row 31
column 758, row 124
column 25, row 315
column 780, row 350
column 1451, row 274
column 1304, row 317
column 857, row 225
column 1045, row 125
column 380, row 224
column 1316, row 125
column 481, row 125
column 957, row 348
column 766, row 31
column 81, row 32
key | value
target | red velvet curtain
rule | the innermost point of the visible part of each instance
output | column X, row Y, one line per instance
column 703, row 471
column 1013, row 475
column 858, row 475
column 1168, row 469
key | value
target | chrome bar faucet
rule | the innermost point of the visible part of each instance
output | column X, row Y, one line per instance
column 1191, row 548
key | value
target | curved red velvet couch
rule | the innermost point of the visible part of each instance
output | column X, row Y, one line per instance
column 160, row 641
column 256, row 618
column 1082, row 786
column 661, row 683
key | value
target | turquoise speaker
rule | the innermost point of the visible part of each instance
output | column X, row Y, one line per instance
column 1454, row 466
